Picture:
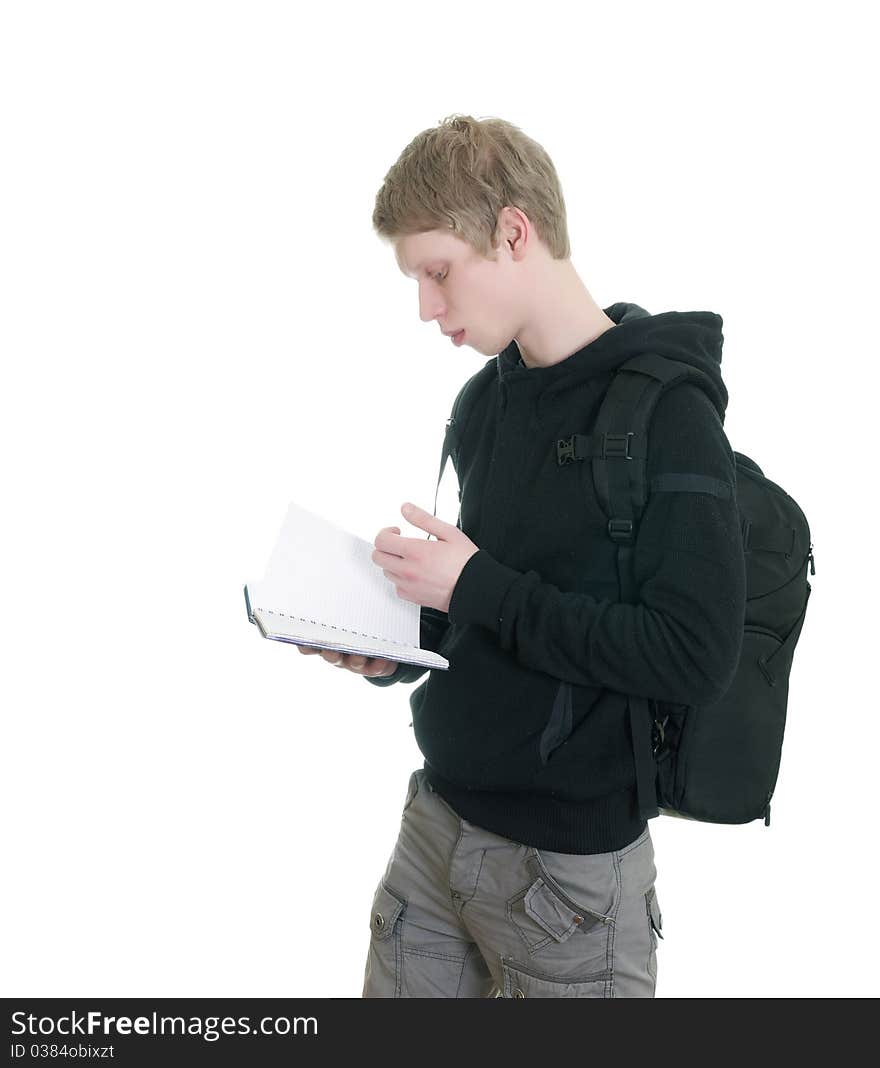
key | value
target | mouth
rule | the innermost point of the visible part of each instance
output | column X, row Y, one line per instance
column 457, row 338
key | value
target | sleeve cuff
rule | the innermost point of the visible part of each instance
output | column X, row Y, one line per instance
column 479, row 593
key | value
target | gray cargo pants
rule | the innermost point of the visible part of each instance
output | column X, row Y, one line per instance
column 464, row 913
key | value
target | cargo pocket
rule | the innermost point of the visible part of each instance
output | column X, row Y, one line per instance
column 540, row 917
column 544, row 915
column 383, row 976
column 655, row 921
column 521, row 982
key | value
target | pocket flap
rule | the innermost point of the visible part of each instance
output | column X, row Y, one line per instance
column 520, row 982
column 387, row 906
column 546, row 910
column 654, row 912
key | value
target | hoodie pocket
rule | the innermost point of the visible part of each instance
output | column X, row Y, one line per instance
column 559, row 724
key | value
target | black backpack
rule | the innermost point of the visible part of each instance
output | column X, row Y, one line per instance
column 717, row 763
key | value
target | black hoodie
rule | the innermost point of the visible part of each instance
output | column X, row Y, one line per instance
column 540, row 602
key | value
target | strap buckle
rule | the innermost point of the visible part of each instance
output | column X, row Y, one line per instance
column 616, row 446
column 565, row 451
column 620, row 529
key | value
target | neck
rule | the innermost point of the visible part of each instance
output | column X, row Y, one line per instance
column 563, row 317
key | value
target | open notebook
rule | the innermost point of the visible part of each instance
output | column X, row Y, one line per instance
column 321, row 588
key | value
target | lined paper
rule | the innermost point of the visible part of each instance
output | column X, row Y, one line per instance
column 321, row 573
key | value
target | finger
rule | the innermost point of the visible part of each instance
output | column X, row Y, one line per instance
column 389, row 539
column 425, row 520
column 377, row 665
column 388, row 530
column 385, row 560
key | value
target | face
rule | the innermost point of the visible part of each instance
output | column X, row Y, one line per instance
column 460, row 289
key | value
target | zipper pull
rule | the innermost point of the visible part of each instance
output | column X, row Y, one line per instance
column 812, row 562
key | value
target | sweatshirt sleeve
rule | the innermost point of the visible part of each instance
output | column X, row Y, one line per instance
column 681, row 641
column 433, row 627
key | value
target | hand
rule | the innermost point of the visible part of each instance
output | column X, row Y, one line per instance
column 372, row 666
column 424, row 571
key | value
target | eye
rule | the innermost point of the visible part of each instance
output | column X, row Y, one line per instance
column 440, row 276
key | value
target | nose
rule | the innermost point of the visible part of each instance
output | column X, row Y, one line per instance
column 431, row 305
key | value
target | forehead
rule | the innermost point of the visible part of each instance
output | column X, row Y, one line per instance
column 415, row 252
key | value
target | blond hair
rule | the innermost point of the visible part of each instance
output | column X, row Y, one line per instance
column 460, row 174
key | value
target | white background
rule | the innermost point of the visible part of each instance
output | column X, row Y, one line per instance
column 199, row 325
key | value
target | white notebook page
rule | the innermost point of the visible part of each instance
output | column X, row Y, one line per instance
column 320, row 572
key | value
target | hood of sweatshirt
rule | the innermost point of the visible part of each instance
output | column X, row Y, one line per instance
column 690, row 337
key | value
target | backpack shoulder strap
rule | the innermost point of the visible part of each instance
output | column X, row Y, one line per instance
column 618, row 450
column 462, row 409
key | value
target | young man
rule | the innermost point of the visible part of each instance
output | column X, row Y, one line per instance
column 525, row 865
